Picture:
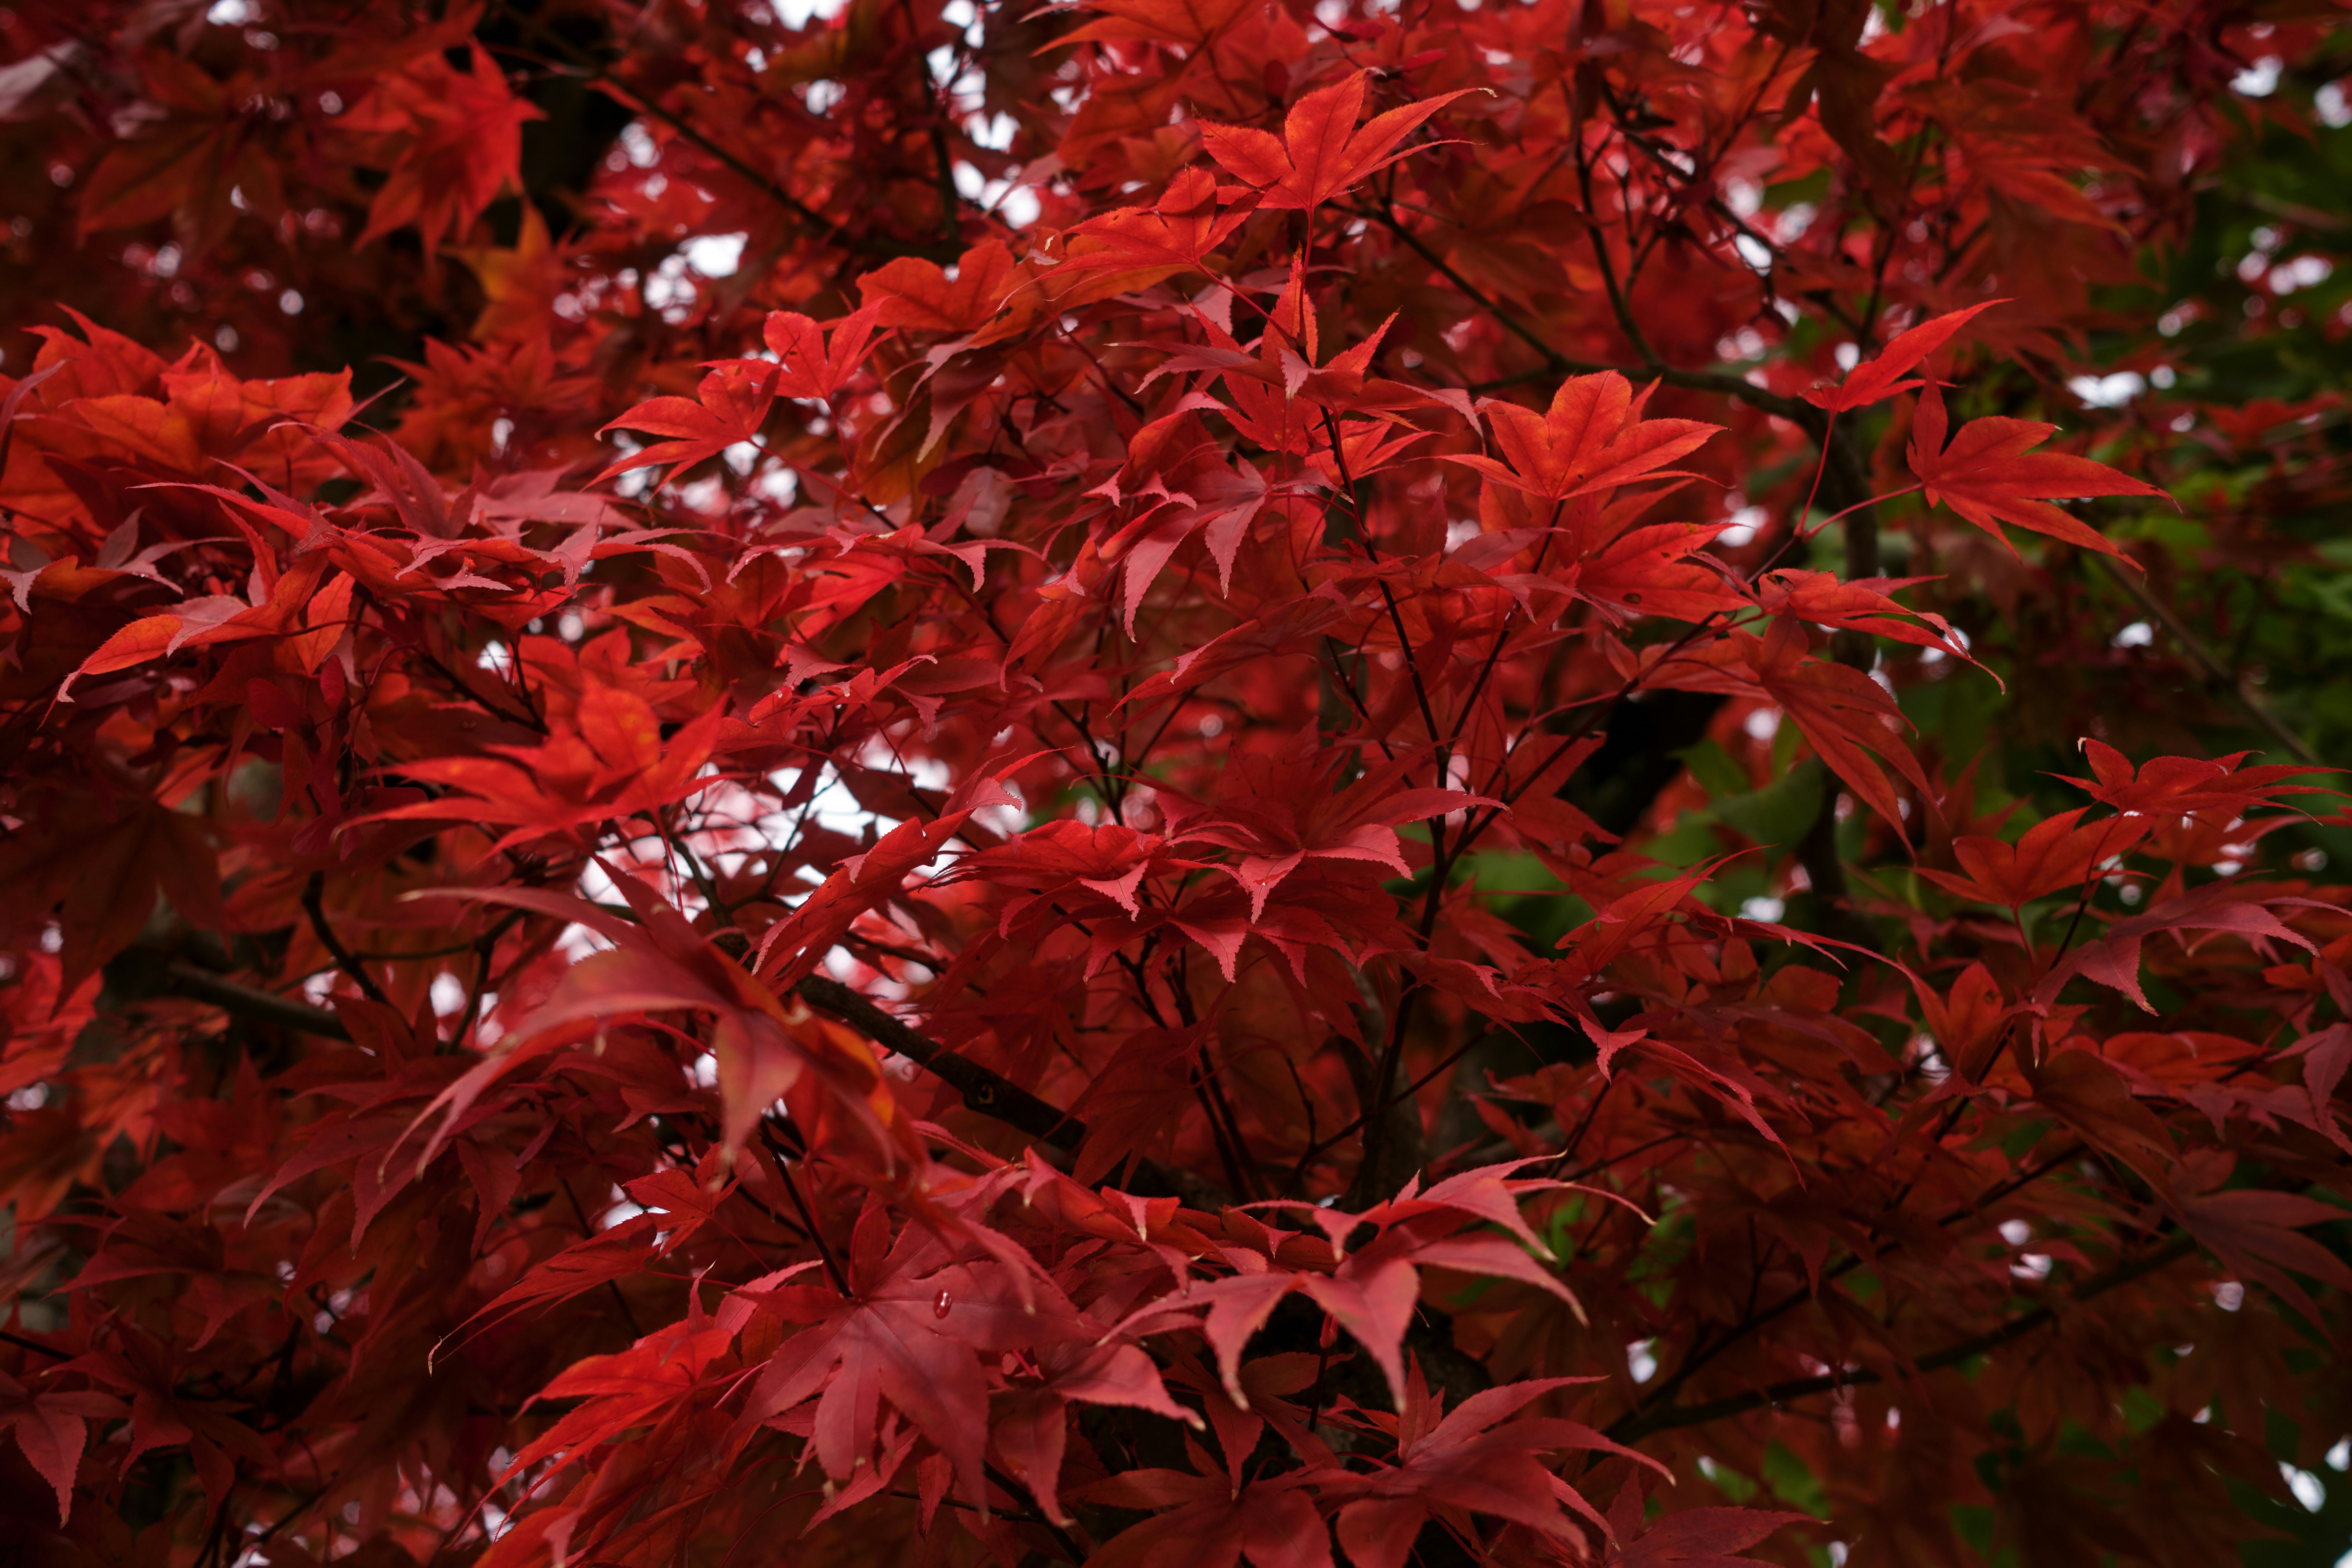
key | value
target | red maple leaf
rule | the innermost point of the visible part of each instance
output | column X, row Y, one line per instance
column 727, row 409
column 1321, row 150
column 922, row 1326
column 2053, row 853
column 51, row 1427
column 1882, row 376
column 1593, row 437
column 460, row 141
column 1990, row 475
column 1474, row 1458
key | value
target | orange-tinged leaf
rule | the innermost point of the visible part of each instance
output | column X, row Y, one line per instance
column 913, row 292
column 460, row 136
column 156, row 637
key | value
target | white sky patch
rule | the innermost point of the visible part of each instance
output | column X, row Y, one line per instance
column 801, row 13
column 2303, row 272
column 669, row 290
column 716, row 255
column 993, row 132
column 2115, row 391
column 638, row 146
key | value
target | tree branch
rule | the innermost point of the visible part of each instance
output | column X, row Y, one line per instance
column 1721, row 382
column 2219, row 674
column 314, row 895
column 988, row 1093
column 145, row 973
column 21, row 1342
column 1640, row 1423
column 595, row 73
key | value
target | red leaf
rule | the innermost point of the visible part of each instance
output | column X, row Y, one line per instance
column 1882, row 377
column 2051, row 854
column 51, row 1432
column 1592, row 438
column 2114, row 959
column 922, row 1331
column 462, row 145
column 728, row 408
column 1273, row 1523
column 1321, row 152
column 913, row 292
column 1989, row 475
column 1704, row 1538
column 864, row 880
column 2176, row 787
column 816, row 362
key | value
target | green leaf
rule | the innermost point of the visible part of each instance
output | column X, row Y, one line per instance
column 1778, row 815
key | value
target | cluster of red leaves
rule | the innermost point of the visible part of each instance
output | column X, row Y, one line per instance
column 910, row 970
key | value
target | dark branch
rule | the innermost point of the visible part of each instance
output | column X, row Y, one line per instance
column 990, row 1093
column 2210, row 663
column 314, row 905
column 987, row 1092
column 1640, row 1423
column 142, row 973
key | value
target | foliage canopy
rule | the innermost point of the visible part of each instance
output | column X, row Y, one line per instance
column 1160, row 782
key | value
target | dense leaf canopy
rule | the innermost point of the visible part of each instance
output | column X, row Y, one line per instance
column 1173, row 782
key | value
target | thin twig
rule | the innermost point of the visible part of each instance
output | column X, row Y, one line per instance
column 22, row 1342
column 177, row 977
column 589, row 72
column 988, row 1093
column 314, row 895
column 833, row 1268
column 1642, row 1424
column 2256, row 708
